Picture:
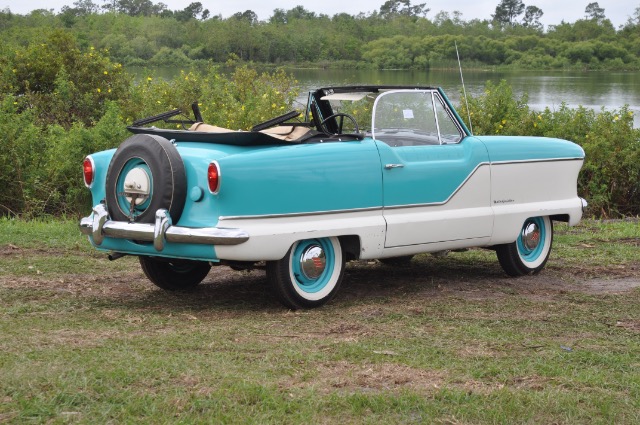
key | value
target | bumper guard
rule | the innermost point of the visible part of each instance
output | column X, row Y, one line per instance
column 98, row 225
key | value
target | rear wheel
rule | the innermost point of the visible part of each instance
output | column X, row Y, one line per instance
column 174, row 275
column 310, row 273
column 530, row 252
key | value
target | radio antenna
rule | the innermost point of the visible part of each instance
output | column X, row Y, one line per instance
column 464, row 91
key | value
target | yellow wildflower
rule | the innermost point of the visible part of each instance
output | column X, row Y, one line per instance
column 106, row 73
column 99, row 90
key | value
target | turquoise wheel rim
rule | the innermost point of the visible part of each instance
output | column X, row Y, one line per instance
column 123, row 202
column 532, row 239
column 312, row 264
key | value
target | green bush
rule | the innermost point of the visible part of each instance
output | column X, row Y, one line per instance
column 236, row 101
column 22, row 143
column 59, row 82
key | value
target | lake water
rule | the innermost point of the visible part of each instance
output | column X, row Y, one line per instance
column 595, row 90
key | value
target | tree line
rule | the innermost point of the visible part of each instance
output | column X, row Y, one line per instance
column 397, row 35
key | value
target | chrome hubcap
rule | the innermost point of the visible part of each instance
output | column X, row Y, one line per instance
column 137, row 186
column 313, row 262
column 531, row 236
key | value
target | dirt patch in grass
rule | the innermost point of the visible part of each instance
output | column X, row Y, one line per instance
column 424, row 277
column 629, row 324
column 343, row 376
column 609, row 286
column 364, row 378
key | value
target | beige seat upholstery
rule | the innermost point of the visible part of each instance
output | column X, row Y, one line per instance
column 287, row 132
column 200, row 126
column 283, row 132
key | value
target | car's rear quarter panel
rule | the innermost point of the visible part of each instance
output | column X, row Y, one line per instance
column 289, row 193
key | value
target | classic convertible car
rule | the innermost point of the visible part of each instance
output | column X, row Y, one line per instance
column 369, row 173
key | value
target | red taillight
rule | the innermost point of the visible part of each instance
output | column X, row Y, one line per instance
column 213, row 177
column 88, row 170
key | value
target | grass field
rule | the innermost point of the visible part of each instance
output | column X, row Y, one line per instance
column 446, row 340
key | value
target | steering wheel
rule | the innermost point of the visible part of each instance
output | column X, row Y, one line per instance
column 323, row 127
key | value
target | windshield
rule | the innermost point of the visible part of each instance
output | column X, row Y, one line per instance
column 413, row 117
column 397, row 116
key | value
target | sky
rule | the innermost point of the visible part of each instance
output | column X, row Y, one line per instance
column 555, row 11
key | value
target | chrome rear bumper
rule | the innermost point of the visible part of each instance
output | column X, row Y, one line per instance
column 98, row 225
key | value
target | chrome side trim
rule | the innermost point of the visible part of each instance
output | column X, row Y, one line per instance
column 300, row 214
column 521, row 161
column 99, row 226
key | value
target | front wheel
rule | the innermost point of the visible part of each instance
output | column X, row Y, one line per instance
column 530, row 252
column 310, row 273
column 174, row 275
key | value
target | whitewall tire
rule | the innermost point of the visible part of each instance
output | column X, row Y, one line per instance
column 530, row 252
column 310, row 273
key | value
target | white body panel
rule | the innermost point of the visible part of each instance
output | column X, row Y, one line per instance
column 467, row 215
column 271, row 237
column 532, row 189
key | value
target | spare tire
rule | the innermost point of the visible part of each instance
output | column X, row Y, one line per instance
column 146, row 174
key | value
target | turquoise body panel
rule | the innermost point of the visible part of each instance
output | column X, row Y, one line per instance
column 301, row 179
column 523, row 148
column 101, row 161
column 171, row 250
column 429, row 174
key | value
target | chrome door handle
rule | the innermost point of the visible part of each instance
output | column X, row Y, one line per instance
column 390, row 166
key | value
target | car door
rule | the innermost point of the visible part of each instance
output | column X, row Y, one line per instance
column 436, row 179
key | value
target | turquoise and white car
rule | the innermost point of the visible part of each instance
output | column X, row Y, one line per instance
column 370, row 173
